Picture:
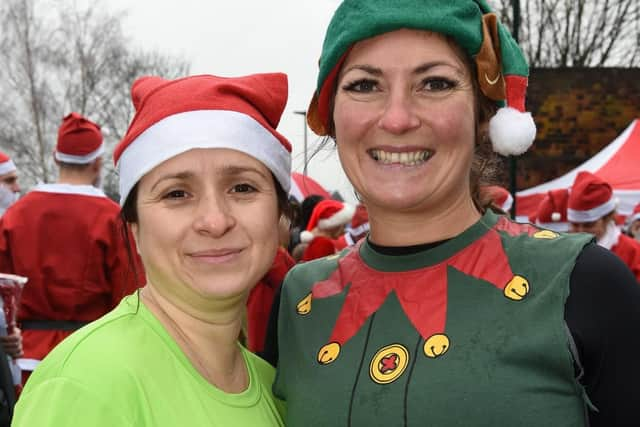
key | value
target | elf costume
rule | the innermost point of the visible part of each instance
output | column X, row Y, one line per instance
column 470, row 332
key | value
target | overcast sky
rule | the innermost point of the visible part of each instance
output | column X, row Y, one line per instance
column 238, row 37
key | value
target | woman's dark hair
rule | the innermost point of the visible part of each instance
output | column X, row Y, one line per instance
column 306, row 208
column 486, row 163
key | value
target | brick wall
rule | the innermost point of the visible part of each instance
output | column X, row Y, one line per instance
column 578, row 112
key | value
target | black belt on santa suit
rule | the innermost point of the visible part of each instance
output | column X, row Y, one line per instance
column 51, row 325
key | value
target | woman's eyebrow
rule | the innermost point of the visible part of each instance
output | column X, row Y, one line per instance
column 177, row 175
column 232, row 170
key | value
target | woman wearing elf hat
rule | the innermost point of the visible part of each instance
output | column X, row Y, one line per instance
column 447, row 314
column 204, row 178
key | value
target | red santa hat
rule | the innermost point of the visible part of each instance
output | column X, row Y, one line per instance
column 500, row 197
column 79, row 140
column 552, row 210
column 174, row 116
column 359, row 225
column 6, row 164
column 327, row 214
column 590, row 199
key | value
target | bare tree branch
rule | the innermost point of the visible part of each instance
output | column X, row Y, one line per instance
column 577, row 33
column 76, row 60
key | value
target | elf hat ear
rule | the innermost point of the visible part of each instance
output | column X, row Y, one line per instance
column 511, row 130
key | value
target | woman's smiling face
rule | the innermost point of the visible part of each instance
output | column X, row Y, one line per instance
column 207, row 222
column 404, row 116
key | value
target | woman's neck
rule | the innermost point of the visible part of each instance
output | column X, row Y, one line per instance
column 211, row 343
column 393, row 228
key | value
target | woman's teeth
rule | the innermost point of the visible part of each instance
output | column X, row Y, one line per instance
column 411, row 158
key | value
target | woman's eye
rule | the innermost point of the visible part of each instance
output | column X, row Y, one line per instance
column 362, row 86
column 437, row 84
column 243, row 188
column 175, row 194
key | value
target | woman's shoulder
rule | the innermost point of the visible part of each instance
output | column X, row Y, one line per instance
column 264, row 371
column 317, row 269
column 100, row 348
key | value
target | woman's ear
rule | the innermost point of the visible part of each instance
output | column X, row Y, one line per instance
column 135, row 230
column 483, row 132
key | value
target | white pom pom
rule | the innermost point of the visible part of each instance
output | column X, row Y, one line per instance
column 306, row 236
column 511, row 132
column 556, row 216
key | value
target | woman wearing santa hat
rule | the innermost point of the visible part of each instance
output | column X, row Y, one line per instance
column 591, row 209
column 447, row 314
column 204, row 178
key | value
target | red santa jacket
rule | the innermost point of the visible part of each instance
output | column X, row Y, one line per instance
column 68, row 241
column 628, row 250
column 261, row 299
column 319, row 247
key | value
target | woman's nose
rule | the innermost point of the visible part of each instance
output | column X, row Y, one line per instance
column 214, row 216
column 399, row 115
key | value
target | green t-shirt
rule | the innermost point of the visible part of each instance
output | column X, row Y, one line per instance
column 125, row 370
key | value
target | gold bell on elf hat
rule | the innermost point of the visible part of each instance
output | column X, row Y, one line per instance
column 502, row 70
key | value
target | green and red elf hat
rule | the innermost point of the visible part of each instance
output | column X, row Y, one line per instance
column 501, row 66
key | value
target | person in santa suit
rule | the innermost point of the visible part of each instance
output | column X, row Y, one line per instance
column 9, row 194
column 632, row 223
column 552, row 211
column 448, row 313
column 324, row 229
column 9, row 186
column 261, row 299
column 68, row 240
column 592, row 209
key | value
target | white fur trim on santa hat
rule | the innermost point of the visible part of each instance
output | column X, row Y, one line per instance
column 342, row 217
column 511, row 131
column 79, row 160
column 6, row 167
column 306, row 236
column 591, row 214
column 182, row 132
column 631, row 219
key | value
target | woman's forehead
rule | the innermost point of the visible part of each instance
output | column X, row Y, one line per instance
column 391, row 44
column 219, row 161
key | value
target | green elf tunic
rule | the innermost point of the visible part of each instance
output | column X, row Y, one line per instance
column 469, row 333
